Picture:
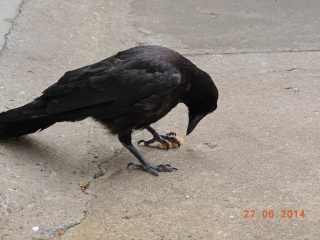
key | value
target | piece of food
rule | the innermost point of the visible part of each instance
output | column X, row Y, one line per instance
column 172, row 144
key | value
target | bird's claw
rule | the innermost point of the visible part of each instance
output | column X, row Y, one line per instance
column 171, row 138
column 152, row 169
column 171, row 134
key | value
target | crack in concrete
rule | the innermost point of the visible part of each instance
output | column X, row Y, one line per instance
column 62, row 230
column 6, row 36
column 102, row 171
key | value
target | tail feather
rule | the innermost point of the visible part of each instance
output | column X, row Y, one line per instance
column 16, row 129
column 34, row 117
column 24, row 120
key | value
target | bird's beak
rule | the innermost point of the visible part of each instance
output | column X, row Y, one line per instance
column 193, row 122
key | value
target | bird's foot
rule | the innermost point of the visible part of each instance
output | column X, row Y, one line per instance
column 152, row 169
column 164, row 139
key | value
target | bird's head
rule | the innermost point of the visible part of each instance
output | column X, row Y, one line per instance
column 202, row 99
column 199, row 111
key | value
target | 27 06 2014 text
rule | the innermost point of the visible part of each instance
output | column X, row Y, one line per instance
column 270, row 214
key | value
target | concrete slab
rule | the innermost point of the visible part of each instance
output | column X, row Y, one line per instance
column 259, row 151
column 231, row 27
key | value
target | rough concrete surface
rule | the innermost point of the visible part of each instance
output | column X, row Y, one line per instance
column 259, row 150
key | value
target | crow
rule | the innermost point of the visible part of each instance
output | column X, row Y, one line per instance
column 125, row 92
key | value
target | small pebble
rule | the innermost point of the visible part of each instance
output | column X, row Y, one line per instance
column 36, row 228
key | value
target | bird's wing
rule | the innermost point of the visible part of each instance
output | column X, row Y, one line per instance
column 124, row 84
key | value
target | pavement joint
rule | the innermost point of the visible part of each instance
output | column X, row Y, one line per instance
column 253, row 52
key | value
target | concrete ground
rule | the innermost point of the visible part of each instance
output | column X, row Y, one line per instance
column 258, row 153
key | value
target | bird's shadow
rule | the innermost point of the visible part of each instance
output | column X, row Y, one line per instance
column 29, row 150
column 25, row 145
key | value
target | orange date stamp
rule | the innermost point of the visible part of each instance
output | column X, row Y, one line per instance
column 270, row 214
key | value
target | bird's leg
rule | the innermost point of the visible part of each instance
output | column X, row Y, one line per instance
column 164, row 139
column 125, row 139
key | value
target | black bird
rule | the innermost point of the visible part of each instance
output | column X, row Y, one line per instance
column 125, row 92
